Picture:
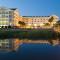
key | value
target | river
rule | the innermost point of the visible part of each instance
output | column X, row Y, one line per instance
column 33, row 51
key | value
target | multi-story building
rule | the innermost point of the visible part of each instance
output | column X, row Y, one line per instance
column 8, row 16
column 38, row 21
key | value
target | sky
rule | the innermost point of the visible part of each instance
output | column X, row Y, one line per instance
column 34, row 7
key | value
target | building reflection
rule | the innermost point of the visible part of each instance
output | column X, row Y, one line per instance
column 9, row 44
column 13, row 44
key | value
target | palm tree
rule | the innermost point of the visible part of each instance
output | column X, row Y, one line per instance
column 51, row 19
column 46, row 24
column 57, row 29
column 22, row 24
column 58, row 22
column 57, row 26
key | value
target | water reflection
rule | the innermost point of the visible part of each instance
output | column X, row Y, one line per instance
column 33, row 52
column 9, row 44
column 13, row 44
column 52, row 42
column 30, row 50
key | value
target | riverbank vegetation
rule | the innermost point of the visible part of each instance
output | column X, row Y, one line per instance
column 29, row 34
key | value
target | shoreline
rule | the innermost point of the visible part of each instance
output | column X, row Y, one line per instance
column 30, row 34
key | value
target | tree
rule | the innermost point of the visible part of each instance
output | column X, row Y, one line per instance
column 51, row 19
column 9, row 26
column 57, row 26
column 58, row 23
column 46, row 24
column 22, row 24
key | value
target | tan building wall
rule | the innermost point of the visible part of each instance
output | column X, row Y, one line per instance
column 16, row 18
column 9, row 16
column 38, row 21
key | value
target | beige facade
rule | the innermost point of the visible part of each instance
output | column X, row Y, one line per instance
column 16, row 18
column 38, row 21
column 9, row 16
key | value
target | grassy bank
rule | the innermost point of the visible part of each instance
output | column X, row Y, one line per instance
column 30, row 34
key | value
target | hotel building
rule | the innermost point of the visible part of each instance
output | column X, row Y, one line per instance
column 8, row 16
column 38, row 21
column 11, row 17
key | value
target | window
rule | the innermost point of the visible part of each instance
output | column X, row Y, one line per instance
column 10, row 16
column 6, row 12
column 38, row 21
column 41, row 19
column 3, row 15
column 7, row 16
column 35, row 19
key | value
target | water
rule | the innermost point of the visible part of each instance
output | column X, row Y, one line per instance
column 33, row 52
